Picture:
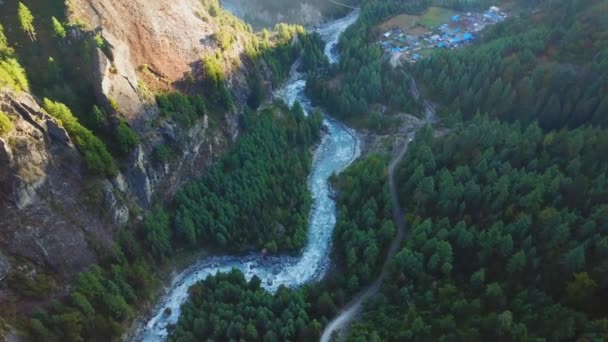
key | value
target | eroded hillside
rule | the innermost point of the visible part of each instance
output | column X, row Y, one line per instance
column 154, row 89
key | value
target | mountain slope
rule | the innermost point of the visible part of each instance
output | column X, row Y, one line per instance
column 59, row 214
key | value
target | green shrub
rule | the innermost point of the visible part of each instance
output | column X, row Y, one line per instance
column 36, row 286
column 224, row 39
column 163, row 153
column 26, row 20
column 126, row 137
column 58, row 28
column 215, row 81
column 5, row 50
column 12, row 75
column 98, row 159
column 99, row 118
column 113, row 103
column 99, row 41
column 182, row 108
column 5, row 124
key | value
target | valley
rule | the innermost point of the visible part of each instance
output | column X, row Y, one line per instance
column 200, row 170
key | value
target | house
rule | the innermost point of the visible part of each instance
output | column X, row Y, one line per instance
column 494, row 9
column 387, row 34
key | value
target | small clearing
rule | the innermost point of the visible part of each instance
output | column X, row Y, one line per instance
column 405, row 22
column 435, row 16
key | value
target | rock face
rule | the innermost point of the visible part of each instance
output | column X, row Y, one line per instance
column 164, row 35
column 54, row 216
column 45, row 192
column 154, row 45
column 157, row 43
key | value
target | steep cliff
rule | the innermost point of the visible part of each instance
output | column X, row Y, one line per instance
column 56, row 218
column 157, row 46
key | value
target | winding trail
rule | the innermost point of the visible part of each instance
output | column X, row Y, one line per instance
column 339, row 324
column 349, row 312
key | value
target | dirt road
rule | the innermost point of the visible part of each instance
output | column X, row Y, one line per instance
column 349, row 312
column 346, row 316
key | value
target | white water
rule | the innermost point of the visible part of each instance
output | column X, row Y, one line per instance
column 338, row 149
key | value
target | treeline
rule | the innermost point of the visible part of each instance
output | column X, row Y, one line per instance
column 550, row 66
column 255, row 197
column 227, row 307
column 508, row 238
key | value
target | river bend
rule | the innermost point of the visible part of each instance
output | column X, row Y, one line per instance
column 338, row 149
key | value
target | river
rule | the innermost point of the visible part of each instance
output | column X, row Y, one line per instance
column 337, row 150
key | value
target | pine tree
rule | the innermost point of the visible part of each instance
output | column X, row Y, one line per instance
column 26, row 20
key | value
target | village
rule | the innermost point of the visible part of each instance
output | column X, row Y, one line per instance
column 412, row 38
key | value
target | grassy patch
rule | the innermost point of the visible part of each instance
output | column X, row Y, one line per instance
column 426, row 52
column 6, row 124
column 405, row 22
column 435, row 16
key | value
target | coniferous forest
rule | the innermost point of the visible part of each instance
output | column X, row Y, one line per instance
column 506, row 213
column 268, row 166
column 548, row 66
column 506, row 240
column 506, row 198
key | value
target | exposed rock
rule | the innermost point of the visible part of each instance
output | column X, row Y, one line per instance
column 120, row 183
column 4, row 266
column 168, row 131
column 138, row 178
column 56, row 215
column 157, row 45
column 164, row 35
column 57, row 132
column 119, row 211
column 48, row 203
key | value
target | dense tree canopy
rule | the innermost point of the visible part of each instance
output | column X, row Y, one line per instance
column 227, row 307
column 551, row 66
column 365, row 227
column 255, row 196
column 507, row 239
